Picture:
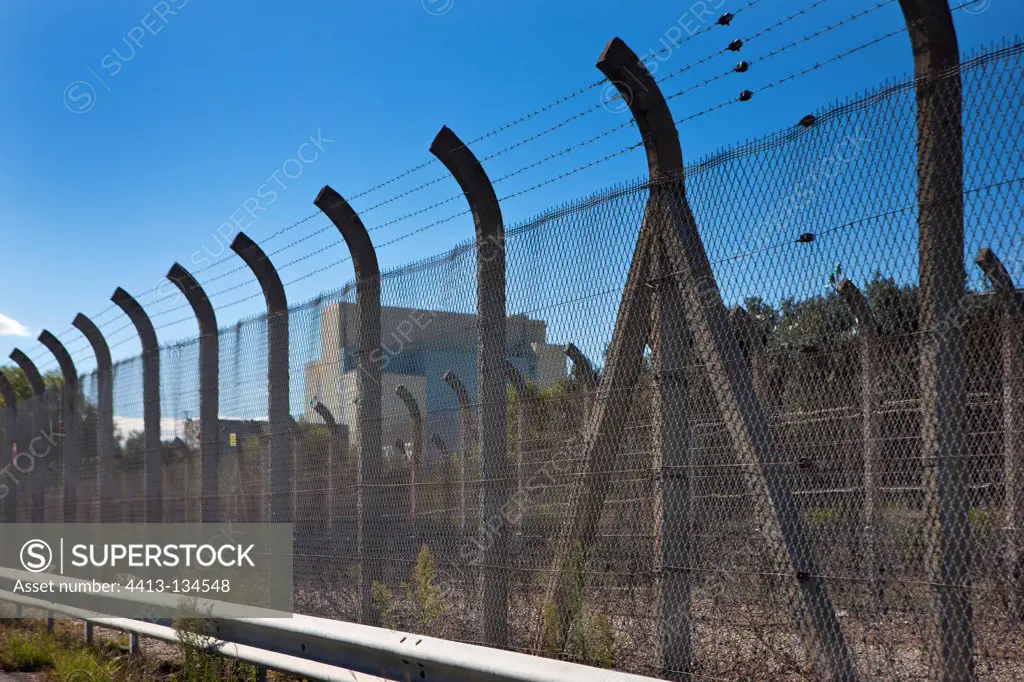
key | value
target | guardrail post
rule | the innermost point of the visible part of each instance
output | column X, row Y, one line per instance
column 10, row 444
column 490, row 370
column 942, row 360
column 104, row 416
column 1013, row 427
column 870, row 435
column 209, row 391
column 767, row 474
column 40, row 419
column 150, row 403
column 470, row 443
column 525, row 420
column 279, row 468
column 417, row 459
column 71, row 453
column 370, row 464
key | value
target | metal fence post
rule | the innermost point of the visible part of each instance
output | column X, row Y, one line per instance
column 1013, row 427
column 104, row 415
column 209, row 390
column 490, row 365
column 40, row 419
column 767, row 474
column 9, row 443
column 417, row 458
column 280, row 469
column 150, row 403
column 71, row 453
column 942, row 362
column 370, row 462
column 871, row 515
column 470, row 443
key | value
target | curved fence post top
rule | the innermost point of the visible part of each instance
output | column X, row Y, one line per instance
column 640, row 92
column 138, row 316
column 7, row 391
column 582, row 364
column 455, row 383
column 464, row 166
column 95, row 337
column 515, row 378
column 325, row 414
column 932, row 38
column 266, row 273
column 67, row 366
column 858, row 304
column 410, row 402
column 35, row 379
column 364, row 257
column 439, row 444
column 196, row 297
column 993, row 268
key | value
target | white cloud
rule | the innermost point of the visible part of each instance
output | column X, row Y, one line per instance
column 9, row 327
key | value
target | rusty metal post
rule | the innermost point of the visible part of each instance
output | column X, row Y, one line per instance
column 150, row 403
column 490, row 371
column 417, row 459
column 470, row 443
column 279, row 468
column 10, row 445
column 942, row 361
column 525, row 421
column 370, row 461
column 871, row 515
column 209, row 391
column 40, row 419
column 104, row 416
column 1013, row 427
column 766, row 471
column 71, row 453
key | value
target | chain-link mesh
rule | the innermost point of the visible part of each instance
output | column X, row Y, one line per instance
column 725, row 477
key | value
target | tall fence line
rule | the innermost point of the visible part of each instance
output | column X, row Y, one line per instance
column 747, row 417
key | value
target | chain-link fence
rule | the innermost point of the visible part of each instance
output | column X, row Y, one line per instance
column 760, row 500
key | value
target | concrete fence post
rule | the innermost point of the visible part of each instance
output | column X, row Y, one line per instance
column 337, row 451
column 106, row 478
column 416, row 458
column 753, row 348
column 71, row 452
column 490, row 370
column 586, row 375
column 209, row 391
column 1013, row 428
column 371, row 510
column 470, row 444
column 279, row 466
column 40, row 419
column 10, row 443
column 525, row 423
column 445, row 501
column 871, row 510
column 767, row 474
column 150, row 403
column 943, row 367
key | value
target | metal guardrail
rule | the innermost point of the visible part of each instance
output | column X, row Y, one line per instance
column 322, row 649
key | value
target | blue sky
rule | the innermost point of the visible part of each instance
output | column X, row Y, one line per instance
column 134, row 134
